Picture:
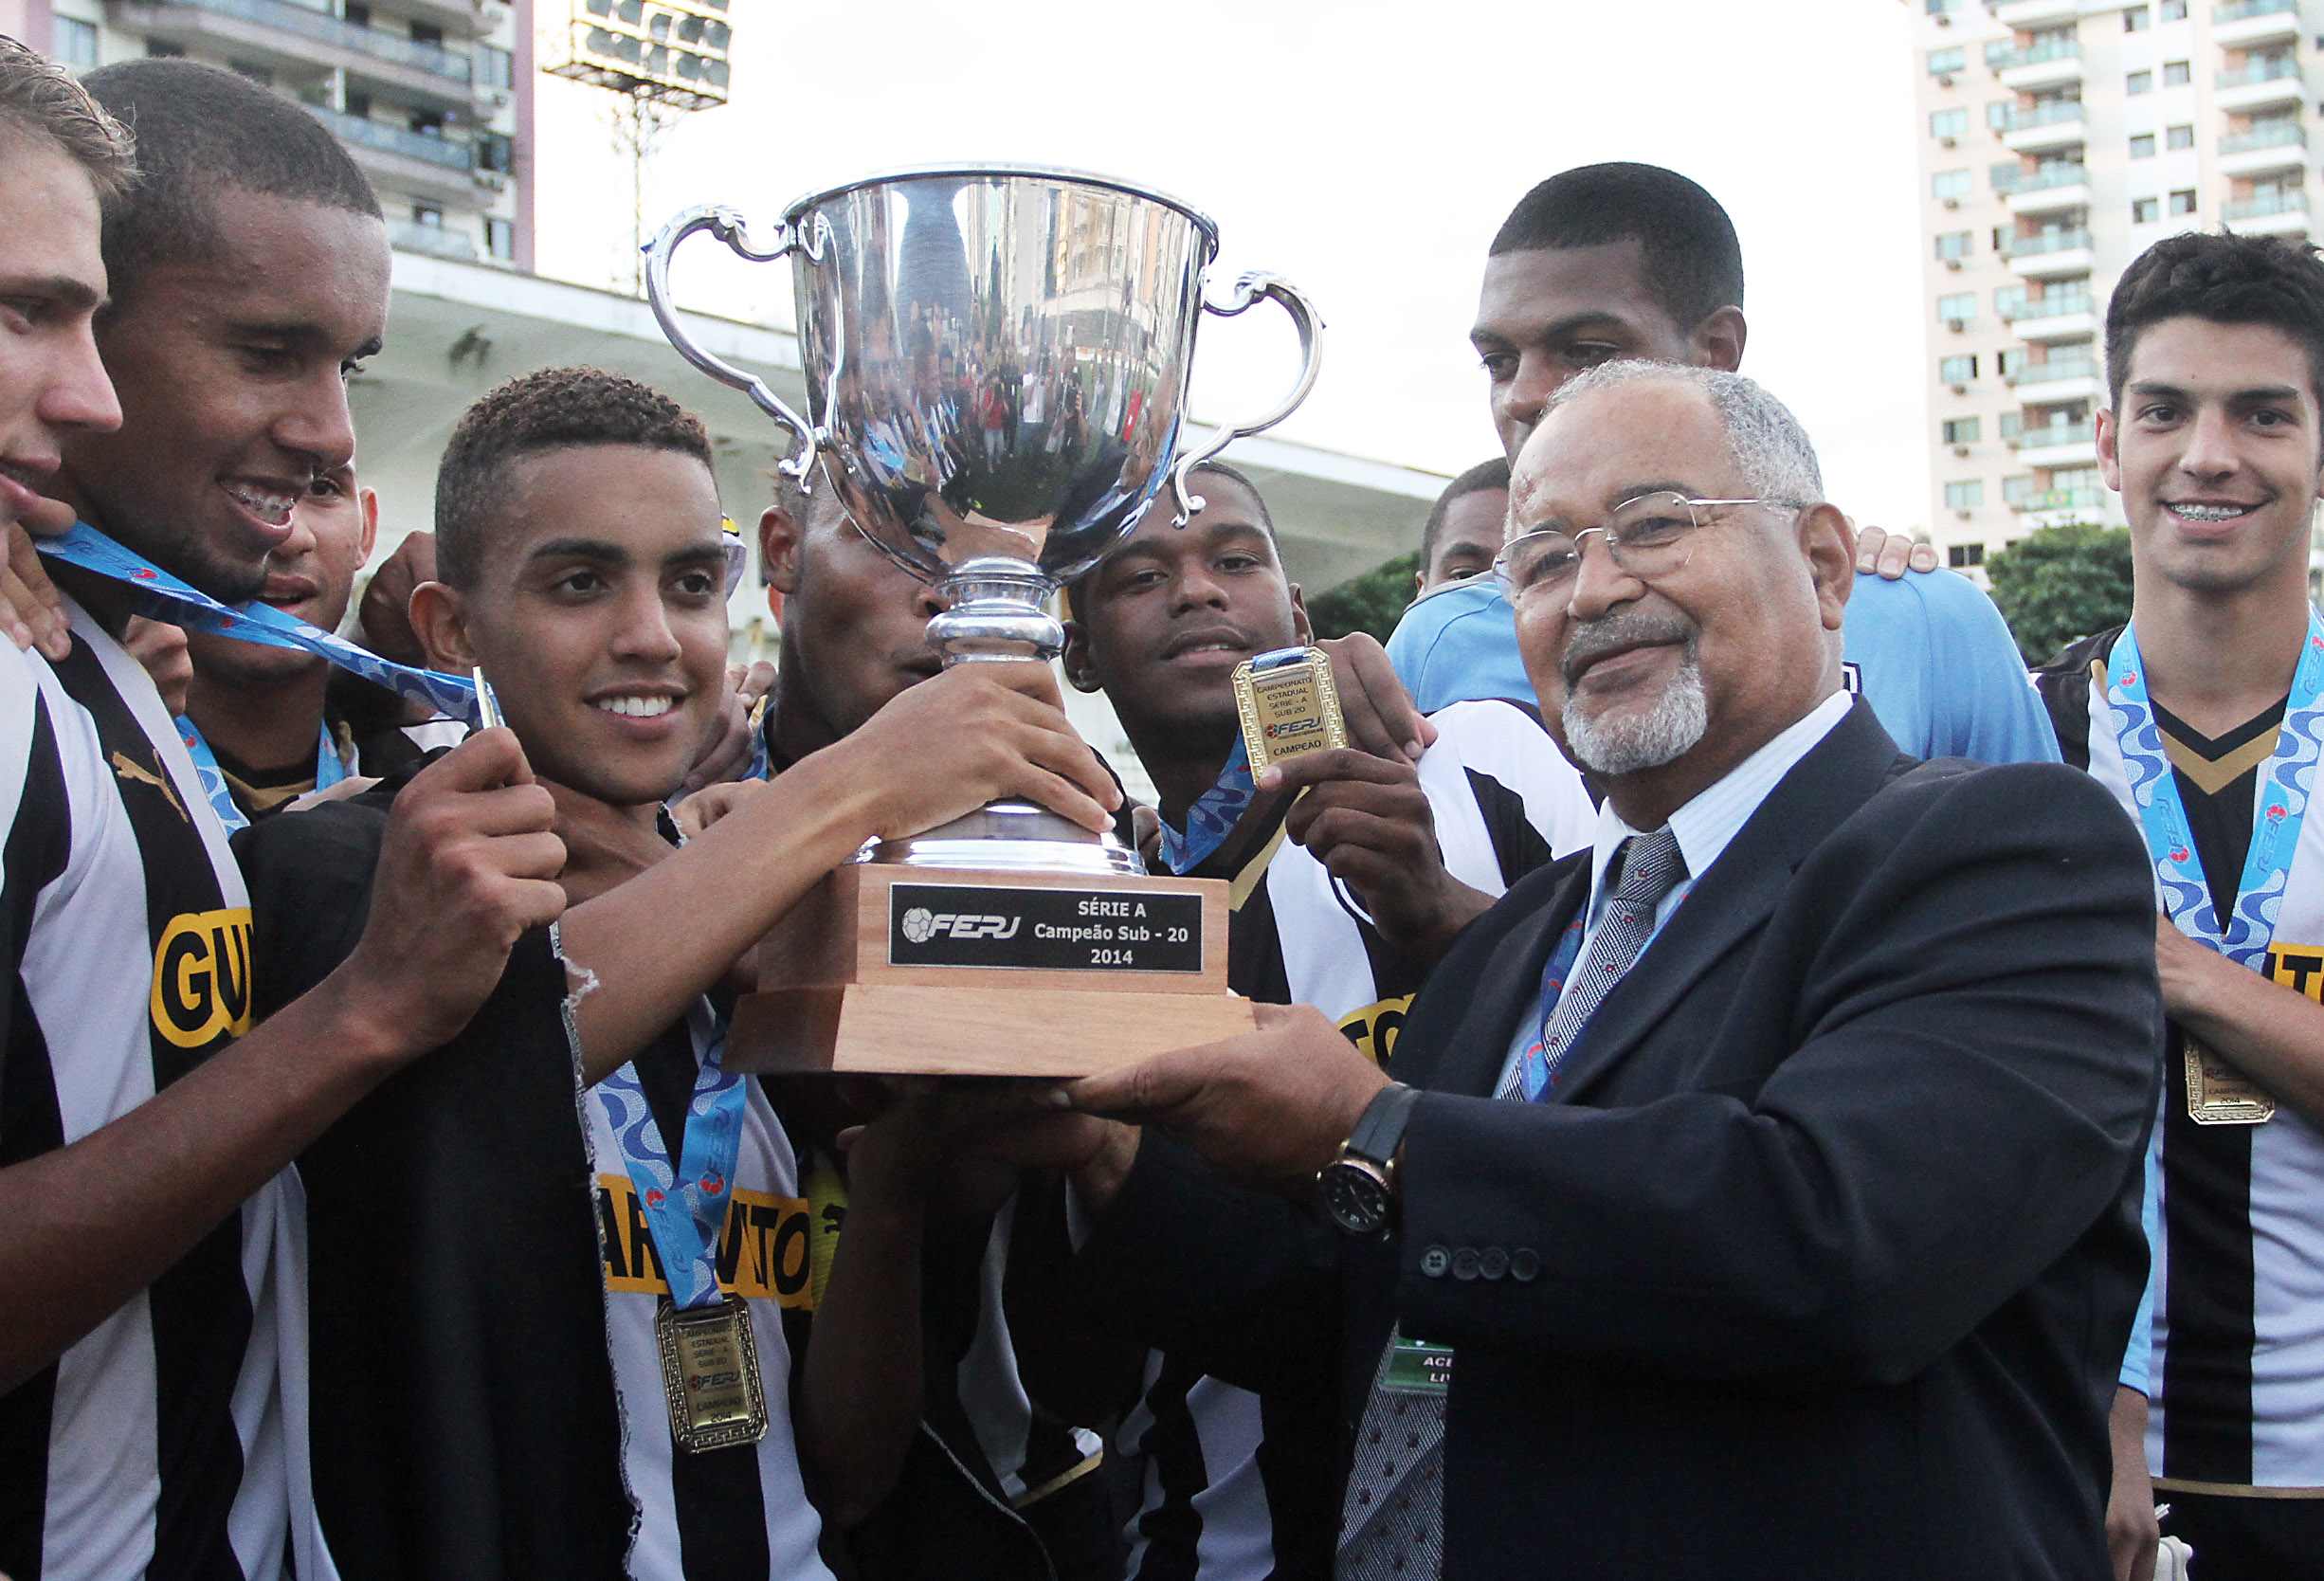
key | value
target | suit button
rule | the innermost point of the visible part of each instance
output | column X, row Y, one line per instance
column 1525, row 1264
column 1493, row 1263
column 1464, row 1263
column 1434, row 1261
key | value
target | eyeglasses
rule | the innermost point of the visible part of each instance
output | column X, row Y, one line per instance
column 1648, row 536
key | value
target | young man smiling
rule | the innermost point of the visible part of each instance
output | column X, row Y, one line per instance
column 2202, row 715
column 152, row 1241
column 469, row 1422
column 1342, row 899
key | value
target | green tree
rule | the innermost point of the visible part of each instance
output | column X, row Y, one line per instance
column 1372, row 602
column 2057, row 584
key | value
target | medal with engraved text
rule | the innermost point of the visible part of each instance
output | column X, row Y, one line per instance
column 1288, row 705
column 2217, row 1093
column 710, row 1373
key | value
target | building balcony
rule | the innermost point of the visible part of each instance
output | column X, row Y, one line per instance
column 2269, row 213
column 2050, row 254
column 2057, row 124
column 2257, row 85
column 2278, row 145
column 433, row 240
column 404, row 161
column 2045, row 191
column 2029, row 15
column 2050, row 64
column 2060, row 500
column 2244, row 23
column 2057, row 443
column 2045, row 324
column 295, row 40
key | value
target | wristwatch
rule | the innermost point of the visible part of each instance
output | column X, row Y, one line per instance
column 1359, row 1186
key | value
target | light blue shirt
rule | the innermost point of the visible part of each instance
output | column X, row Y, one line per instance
column 1704, row 828
column 1930, row 653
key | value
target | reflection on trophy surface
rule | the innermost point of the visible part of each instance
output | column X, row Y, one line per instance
column 996, row 362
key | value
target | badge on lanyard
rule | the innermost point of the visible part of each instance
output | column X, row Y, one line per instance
column 2217, row 1093
column 1289, row 705
column 709, row 1353
column 1416, row 1367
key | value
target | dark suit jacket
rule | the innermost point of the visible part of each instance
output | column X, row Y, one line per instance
column 1822, row 1261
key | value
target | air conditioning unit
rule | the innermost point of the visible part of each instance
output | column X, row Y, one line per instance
column 496, row 98
column 492, row 181
column 1944, row 78
column 1960, row 449
column 1947, row 142
column 1960, row 389
column 1953, row 263
column 1952, row 203
column 1943, row 20
column 1962, row 512
column 1956, row 325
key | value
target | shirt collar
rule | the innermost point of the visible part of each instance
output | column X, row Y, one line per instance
column 1706, row 824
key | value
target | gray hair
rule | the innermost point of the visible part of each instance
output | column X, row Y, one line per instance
column 1766, row 443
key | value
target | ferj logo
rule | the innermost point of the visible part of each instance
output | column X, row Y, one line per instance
column 201, row 977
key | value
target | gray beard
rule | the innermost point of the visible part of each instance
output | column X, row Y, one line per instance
column 1631, row 741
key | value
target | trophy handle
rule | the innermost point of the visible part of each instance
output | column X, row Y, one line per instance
column 729, row 227
column 1250, row 291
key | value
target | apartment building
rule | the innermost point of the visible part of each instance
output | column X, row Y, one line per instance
column 2061, row 138
column 433, row 97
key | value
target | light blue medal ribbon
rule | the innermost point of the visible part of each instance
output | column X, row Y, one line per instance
column 1212, row 818
column 2285, row 784
column 329, row 771
column 686, row 1208
column 163, row 597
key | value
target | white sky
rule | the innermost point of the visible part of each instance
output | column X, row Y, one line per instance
column 1367, row 150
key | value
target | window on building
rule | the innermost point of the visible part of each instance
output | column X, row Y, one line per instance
column 2180, row 136
column 2142, row 146
column 1962, row 496
column 495, row 151
column 427, row 123
column 1950, row 186
column 428, row 214
column 2174, row 10
column 1962, row 431
column 2146, row 211
column 1945, row 63
column 500, row 238
column 2135, row 20
column 2008, row 302
column 2006, row 363
column 1953, row 243
column 263, row 76
column 2183, row 203
column 359, row 104
column 1962, row 556
column 495, row 66
column 426, row 32
column 162, row 49
column 2138, row 83
column 1949, row 123
column 1956, row 369
column 359, row 13
column 1958, row 307
column 2174, row 74
column 75, row 41
column 1939, row 7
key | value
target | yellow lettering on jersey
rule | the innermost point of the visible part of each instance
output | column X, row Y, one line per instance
column 1373, row 1028
column 2297, row 967
column 201, row 977
column 762, row 1252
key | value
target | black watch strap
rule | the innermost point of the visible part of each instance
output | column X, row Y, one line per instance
column 1380, row 1128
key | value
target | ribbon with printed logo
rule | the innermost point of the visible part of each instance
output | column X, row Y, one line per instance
column 163, row 597
column 685, row 1206
column 329, row 771
column 1213, row 817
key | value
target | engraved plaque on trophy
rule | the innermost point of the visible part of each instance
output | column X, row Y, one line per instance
column 996, row 361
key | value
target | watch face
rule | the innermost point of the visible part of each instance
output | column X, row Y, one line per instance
column 1355, row 1198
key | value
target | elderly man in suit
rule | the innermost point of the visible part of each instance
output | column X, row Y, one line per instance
column 1758, row 1190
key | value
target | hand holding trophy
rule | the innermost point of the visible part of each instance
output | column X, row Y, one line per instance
column 996, row 360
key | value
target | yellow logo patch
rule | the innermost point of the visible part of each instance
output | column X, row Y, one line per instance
column 763, row 1253
column 201, row 977
column 2297, row 967
column 1373, row 1028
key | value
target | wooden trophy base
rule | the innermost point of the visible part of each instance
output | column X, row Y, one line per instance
column 942, row 971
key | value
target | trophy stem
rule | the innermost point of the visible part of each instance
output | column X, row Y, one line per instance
column 996, row 612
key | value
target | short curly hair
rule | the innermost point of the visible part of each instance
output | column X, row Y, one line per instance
column 2228, row 280
column 554, row 408
column 40, row 99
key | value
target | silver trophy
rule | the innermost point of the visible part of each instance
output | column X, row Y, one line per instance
column 996, row 361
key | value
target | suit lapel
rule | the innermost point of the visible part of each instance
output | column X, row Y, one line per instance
column 1738, row 893
column 1508, row 988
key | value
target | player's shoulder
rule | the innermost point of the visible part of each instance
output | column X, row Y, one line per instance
column 1938, row 600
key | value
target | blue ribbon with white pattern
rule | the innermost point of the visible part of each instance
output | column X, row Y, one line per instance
column 2285, row 782
column 686, row 1208
column 163, row 597
column 329, row 771
column 1213, row 817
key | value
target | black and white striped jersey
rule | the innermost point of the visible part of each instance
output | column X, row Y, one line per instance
column 1240, row 1487
column 171, row 1441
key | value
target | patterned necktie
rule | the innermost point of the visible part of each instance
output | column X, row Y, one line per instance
column 1393, row 1524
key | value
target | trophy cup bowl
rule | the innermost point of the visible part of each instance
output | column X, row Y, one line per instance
column 996, row 361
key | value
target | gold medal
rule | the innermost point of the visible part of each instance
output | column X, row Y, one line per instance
column 1288, row 709
column 710, row 1372
column 2217, row 1093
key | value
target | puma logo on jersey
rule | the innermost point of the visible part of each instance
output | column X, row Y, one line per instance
column 136, row 774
